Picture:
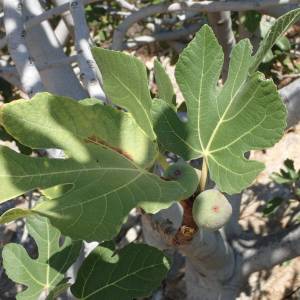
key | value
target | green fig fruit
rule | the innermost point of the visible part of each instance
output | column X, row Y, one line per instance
column 185, row 175
column 211, row 210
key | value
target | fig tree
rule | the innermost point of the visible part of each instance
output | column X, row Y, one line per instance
column 211, row 210
column 185, row 175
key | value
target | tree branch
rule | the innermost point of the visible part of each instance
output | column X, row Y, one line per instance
column 9, row 70
column 271, row 250
column 12, row 79
column 66, row 17
column 220, row 23
column 208, row 6
column 62, row 33
column 86, row 60
column 290, row 95
column 162, row 36
column 13, row 22
column 277, row 12
column 47, row 15
column 171, row 21
column 124, row 4
column 43, row 46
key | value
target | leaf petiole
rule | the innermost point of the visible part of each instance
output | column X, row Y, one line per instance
column 203, row 177
column 162, row 161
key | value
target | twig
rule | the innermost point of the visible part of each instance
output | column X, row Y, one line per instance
column 203, row 6
column 171, row 21
column 126, row 5
column 5, row 71
column 163, row 36
column 281, row 76
column 86, row 60
column 13, row 22
column 271, row 250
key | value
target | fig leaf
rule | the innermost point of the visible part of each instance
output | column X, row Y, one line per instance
column 245, row 114
column 104, row 176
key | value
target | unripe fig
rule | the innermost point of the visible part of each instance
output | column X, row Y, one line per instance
column 185, row 175
column 211, row 210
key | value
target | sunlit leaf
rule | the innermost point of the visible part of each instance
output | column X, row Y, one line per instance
column 288, row 176
column 125, row 81
column 222, row 125
column 164, row 84
column 104, row 176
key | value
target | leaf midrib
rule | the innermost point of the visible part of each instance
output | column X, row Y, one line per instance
column 227, row 108
column 139, row 102
column 113, row 283
column 76, row 135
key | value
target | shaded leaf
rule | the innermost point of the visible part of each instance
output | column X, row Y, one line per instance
column 125, row 81
column 286, row 176
column 48, row 270
column 272, row 206
column 284, row 44
column 164, row 84
column 280, row 26
column 222, row 125
column 4, row 136
column 58, row 290
column 251, row 20
column 108, row 157
column 135, row 271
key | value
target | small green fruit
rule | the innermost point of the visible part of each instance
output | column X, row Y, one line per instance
column 185, row 175
column 211, row 210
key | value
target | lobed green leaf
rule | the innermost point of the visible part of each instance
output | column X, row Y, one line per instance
column 125, row 81
column 48, row 270
column 222, row 125
column 104, row 176
column 164, row 84
column 135, row 271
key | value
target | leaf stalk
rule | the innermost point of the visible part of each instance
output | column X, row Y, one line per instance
column 203, row 177
column 163, row 161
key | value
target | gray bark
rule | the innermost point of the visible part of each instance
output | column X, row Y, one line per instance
column 277, row 12
column 209, row 6
column 13, row 22
column 62, row 33
column 291, row 98
column 163, row 36
column 43, row 46
column 66, row 17
column 87, row 64
column 220, row 22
